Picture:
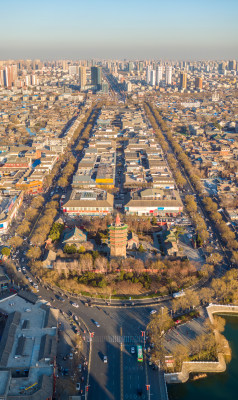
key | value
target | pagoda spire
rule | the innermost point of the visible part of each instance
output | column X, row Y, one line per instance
column 118, row 221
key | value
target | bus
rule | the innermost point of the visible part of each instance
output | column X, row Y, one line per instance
column 139, row 354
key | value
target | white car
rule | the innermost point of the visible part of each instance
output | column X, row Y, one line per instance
column 75, row 305
column 153, row 312
column 133, row 350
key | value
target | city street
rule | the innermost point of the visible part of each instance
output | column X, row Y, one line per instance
column 120, row 329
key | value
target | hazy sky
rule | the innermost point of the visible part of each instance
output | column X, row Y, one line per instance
column 158, row 29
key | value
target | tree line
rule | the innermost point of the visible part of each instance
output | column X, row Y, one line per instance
column 227, row 235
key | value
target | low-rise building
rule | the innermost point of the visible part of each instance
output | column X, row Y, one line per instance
column 9, row 206
column 88, row 202
column 74, row 236
column 154, row 202
column 27, row 349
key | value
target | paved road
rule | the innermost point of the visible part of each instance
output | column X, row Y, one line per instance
column 119, row 329
column 134, row 376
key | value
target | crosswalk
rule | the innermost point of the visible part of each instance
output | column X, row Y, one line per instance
column 119, row 339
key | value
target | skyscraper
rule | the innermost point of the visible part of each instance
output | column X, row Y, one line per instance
column 82, row 77
column 183, row 80
column 159, row 74
column 96, row 76
column 168, row 75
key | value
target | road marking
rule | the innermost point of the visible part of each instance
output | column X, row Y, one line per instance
column 146, row 373
column 133, row 340
column 121, row 369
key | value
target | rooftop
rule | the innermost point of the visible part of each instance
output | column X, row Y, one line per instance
column 27, row 345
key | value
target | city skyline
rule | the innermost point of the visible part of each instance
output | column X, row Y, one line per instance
column 78, row 30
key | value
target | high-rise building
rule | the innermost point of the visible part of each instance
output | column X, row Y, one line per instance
column 1, row 77
column 65, row 65
column 141, row 66
column 198, row 83
column 9, row 75
column 168, row 75
column 183, row 80
column 159, row 74
column 222, row 67
column 232, row 65
column 152, row 77
column 96, row 76
column 82, row 77
column 118, row 238
column 148, row 69
column 27, row 80
column 33, row 79
column 130, row 66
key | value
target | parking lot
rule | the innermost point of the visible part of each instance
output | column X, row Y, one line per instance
column 182, row 334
